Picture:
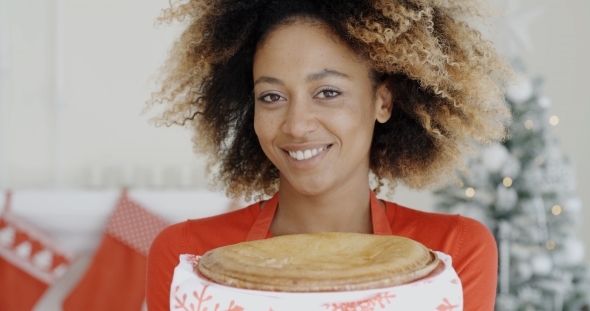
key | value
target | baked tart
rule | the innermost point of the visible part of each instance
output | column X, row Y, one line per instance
column 319, row 262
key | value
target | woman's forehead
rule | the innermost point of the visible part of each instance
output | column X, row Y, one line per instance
column 307, row 47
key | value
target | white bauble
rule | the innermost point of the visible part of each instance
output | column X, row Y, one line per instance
column 572, row 205
column 525, row 271
column 541, row 264
column 544, row 102
column 521, row 91
column 494, row 157
column 571, row 253
column 576, row 251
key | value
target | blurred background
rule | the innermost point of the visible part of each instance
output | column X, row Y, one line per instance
column 75, row 76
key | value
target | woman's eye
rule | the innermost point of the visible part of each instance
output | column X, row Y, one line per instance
column 270, row 98
column 328, row 94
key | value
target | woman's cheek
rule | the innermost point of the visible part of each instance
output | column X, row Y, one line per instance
column 263, row 124
column 259, row 122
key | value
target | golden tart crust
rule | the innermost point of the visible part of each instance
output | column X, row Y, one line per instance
column 319, row 262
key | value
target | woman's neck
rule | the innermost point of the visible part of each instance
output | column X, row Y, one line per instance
column 346, row 209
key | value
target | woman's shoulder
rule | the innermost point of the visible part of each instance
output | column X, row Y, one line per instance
column 197, row 236
column 242, row 217
column 409, row 216
column 403, row 217
column 451, row 234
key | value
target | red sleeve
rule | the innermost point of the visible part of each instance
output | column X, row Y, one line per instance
column 162, row 259
column 476, row 263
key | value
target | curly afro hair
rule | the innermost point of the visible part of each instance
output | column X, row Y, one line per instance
column 446, row 78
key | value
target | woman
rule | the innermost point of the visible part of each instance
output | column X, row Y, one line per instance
column 301, row 99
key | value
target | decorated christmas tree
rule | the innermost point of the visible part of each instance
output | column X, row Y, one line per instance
column 524, row 191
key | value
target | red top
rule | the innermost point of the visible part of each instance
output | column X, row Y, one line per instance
column 469, row 243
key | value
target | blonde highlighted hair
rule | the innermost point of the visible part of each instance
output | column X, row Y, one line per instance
column 446, row 80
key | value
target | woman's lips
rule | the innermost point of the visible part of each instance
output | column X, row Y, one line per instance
column 306, row 157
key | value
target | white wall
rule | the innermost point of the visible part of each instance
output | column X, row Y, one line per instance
column 110, row 54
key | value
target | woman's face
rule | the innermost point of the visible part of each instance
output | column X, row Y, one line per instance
column 315, row 108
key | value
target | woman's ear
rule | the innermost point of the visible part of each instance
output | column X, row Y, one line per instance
column 383, row 103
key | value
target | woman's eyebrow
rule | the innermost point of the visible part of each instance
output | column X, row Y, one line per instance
column 310, row 78
column 325, row 73
column 269, row 80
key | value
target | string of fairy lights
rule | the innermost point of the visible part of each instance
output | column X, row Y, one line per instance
column 557, row 209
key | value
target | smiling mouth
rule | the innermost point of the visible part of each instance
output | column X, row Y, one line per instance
column 301, row 155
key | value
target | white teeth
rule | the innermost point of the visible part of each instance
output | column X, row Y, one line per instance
column 306, row 154
column 300, row 155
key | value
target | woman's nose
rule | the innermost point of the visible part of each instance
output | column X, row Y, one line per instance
column 300, row 118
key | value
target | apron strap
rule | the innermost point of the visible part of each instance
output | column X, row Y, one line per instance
column 381, row 225
column 262, row 223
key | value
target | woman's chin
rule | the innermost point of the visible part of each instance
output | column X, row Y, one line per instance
column 309, row 191
column 310, row 187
